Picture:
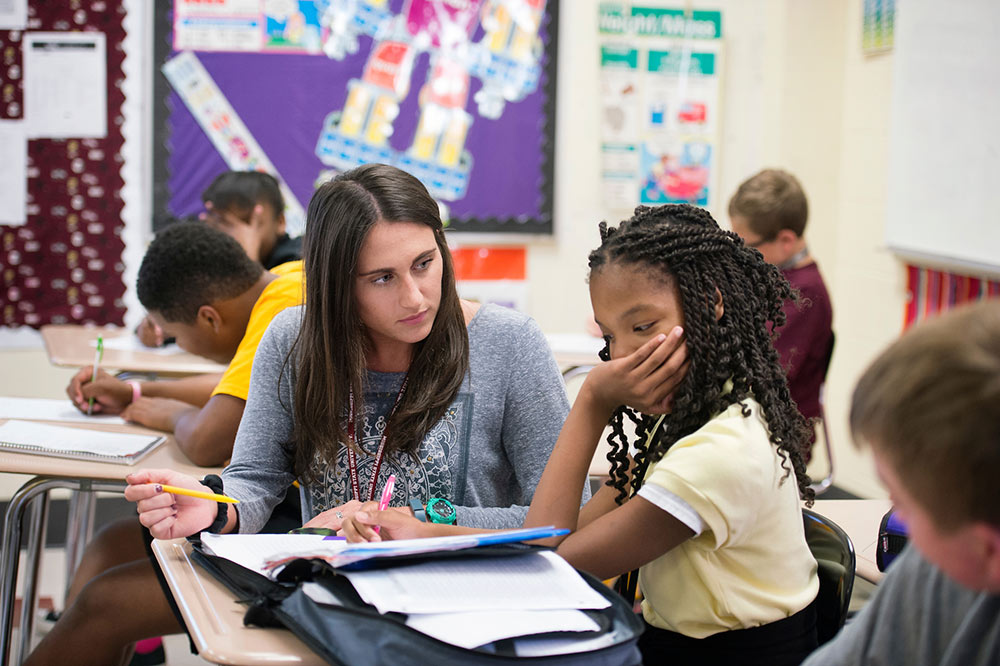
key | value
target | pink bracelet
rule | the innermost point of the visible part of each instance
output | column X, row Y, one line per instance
column 136, row 389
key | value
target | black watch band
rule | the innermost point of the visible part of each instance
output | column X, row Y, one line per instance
column 214, row 481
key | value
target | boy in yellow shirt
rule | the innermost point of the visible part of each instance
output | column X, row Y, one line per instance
column 202, row 289
column 199, row 286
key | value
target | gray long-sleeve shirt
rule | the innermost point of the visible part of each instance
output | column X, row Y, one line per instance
column 486, row 455
column 918, row 617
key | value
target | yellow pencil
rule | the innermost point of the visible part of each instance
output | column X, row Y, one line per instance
column 199, row 493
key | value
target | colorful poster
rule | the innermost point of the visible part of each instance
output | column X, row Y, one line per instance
column 217, row 25
column 660, row 86
column 460, row 94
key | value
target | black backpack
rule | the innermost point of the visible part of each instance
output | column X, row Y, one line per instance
column 354, row 633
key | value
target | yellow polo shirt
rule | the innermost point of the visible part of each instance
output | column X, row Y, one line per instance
column 750, row 565
column 283, row 292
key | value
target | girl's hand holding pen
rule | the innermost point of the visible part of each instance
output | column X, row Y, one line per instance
column 169, row 515
column 395, row 523
column 644, row 380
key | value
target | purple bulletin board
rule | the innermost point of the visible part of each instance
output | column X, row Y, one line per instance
column 297, row 103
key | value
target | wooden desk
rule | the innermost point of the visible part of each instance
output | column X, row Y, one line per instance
column 860, row 519
column 215, row 619
column 50, row 473
column 71, row 345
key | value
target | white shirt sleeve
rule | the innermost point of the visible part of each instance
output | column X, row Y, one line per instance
column 674, row 505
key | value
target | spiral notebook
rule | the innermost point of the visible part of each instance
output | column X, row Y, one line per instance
column 76, row 443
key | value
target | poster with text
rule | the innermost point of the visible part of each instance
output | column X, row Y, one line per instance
column 660, row 83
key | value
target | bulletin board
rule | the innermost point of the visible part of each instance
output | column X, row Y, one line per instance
column 61, row 262
column 462, row 95
column 944, row 148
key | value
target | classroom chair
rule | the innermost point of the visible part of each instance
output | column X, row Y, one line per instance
column 822, row 485
column 834, row 554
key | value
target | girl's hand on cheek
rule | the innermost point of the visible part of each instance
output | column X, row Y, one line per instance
column 645, row 379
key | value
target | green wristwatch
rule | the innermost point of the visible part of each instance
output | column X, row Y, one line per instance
column 441, row 511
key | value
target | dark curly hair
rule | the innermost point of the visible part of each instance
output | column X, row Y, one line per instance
column 684, row 244
column 190, row 264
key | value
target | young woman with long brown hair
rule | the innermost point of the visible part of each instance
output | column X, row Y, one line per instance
column 384, row 371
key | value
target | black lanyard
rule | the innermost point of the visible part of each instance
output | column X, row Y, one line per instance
column 352, row 457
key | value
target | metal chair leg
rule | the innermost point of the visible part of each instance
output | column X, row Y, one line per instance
column 79, row 528
column 10, row 552
column 37, row 527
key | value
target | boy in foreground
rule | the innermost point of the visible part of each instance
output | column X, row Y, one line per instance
column 929, row 408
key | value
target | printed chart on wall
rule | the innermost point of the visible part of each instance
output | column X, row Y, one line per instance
column 458, row 93
column 660, row 83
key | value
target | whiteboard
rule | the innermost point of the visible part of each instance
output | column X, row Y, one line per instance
column 943, row 203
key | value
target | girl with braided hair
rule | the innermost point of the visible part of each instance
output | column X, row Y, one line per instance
column 707, row 508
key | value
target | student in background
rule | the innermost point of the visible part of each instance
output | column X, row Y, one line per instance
column 769, row 211
column 927, row 407
column 200, row 287
column 708, row 511
column 466, row 399
column 248, row 206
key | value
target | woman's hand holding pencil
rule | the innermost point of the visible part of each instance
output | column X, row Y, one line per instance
column 172, row 504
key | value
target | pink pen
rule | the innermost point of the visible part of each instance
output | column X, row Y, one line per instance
column 383, row 503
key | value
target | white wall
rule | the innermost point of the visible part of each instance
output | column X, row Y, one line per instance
column 798, row 94
column 868, row 288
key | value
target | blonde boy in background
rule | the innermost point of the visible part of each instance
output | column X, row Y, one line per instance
column 769, row 211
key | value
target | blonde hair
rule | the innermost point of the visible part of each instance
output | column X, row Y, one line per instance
column 930, row 404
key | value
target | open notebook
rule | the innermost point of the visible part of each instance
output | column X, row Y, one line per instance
column 77, row 443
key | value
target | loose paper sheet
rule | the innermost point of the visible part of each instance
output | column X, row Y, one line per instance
column 43, row 409
column 65, row 85
column 131, row 343
column 469, row 630
column 254, row 551
column 13, row 172
column 13, row 14
column 533, row 581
